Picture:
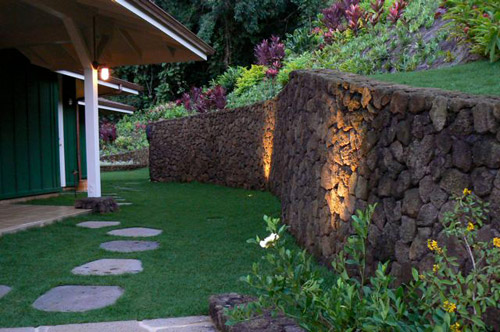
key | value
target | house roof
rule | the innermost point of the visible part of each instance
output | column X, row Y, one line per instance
column 110, row 105
column 58, row 34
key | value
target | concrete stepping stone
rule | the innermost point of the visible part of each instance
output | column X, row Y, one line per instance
column 4, row 290
column 129, row 246
column 78, row 298
column 103, row 267
column 98, row 224
column 123, row 204
column 136, row 232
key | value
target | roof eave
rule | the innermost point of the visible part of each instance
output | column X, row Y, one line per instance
column 167, row 21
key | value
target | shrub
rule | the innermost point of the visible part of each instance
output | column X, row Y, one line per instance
column 228, row 79
column 269, row 53
column 304, row 61
column 396, row 11
column 107, row 131
column 301, row 41
column 477, row 22
column 264, row 90
column 204, row 101
column 447, row 294
column 286, row 281
column 249, row 78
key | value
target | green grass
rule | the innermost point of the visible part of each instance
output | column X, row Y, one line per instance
column 203, row 251
column 480, row 78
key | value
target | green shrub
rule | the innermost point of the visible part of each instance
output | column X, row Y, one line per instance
column 266, row 89
column 249, row 78
column 228, row 79
column 287, row 281
column 303, row 61
column 478, row 22
column 131, row 129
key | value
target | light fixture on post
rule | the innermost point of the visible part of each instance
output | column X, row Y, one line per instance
column 102, row 69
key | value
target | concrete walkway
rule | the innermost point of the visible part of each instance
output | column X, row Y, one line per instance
column 18, row 217
column 180, row 324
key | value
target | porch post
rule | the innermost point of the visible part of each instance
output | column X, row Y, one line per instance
column 92, row 133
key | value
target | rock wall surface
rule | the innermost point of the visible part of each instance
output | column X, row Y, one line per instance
column 331, row 143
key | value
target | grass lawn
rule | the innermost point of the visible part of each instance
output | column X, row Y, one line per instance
column 203, row 251
column 481, row 78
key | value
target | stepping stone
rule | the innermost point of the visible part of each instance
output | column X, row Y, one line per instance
column 98, row 224
column 136, row 232
column 4, row 290
column 129, row 246
column 103, row 267
column 120, row 204
column 78, row 298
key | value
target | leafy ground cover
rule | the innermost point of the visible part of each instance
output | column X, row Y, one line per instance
column 481, row 78
column 202, row 251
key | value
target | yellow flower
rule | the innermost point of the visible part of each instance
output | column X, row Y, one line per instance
column 421, row 277
column 470, row 227
column 496, row 242
column 435, row 268
column 433, row 246
column 467, row 192
column 449, row 306
column 455, row 327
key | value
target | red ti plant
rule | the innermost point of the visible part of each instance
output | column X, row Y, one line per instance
column 377, row 10
column 202, row 102
column 107, row 131
column 354, row 15
column 334, row 16
column 397, row 10
column 270, row 53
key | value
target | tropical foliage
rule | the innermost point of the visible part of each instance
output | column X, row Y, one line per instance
column 444, row 298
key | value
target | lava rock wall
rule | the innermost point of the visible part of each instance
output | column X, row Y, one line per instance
column 331, row 143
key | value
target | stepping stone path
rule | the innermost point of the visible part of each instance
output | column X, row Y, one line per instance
column 71, row 298
column 98, row 224
column 4, row 290
column 129, row 246
column 78, row 298
column 103, row 267
column 136, row 232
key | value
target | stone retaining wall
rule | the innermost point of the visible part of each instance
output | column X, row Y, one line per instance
column 331, row 143
column 139, row 157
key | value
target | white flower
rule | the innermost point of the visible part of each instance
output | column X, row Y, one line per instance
column 268, row 241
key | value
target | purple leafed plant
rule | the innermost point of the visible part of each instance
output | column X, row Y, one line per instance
column 107, row 131
column 354, row 15
column 396, row 11
column 202, row 102
column 334, row 16
column 377, row 10
column 270, row 51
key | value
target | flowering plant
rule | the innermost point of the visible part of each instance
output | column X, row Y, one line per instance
column 450, row 296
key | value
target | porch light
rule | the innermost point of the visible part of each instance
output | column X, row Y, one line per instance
column 104, row 73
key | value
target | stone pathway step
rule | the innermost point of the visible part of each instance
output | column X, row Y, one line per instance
column 129, row 246
column 98, row 224
column 105, row 267
column 4, row 290
column 136, row 232
column 180, row 324
column 77, row 298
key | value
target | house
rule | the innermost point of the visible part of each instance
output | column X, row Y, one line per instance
column 47, row 47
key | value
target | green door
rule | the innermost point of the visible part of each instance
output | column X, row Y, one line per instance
column 29, row 152
column 71, row 132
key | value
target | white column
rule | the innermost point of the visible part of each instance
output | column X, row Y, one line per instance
column 92, row 133
column 60, row 121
